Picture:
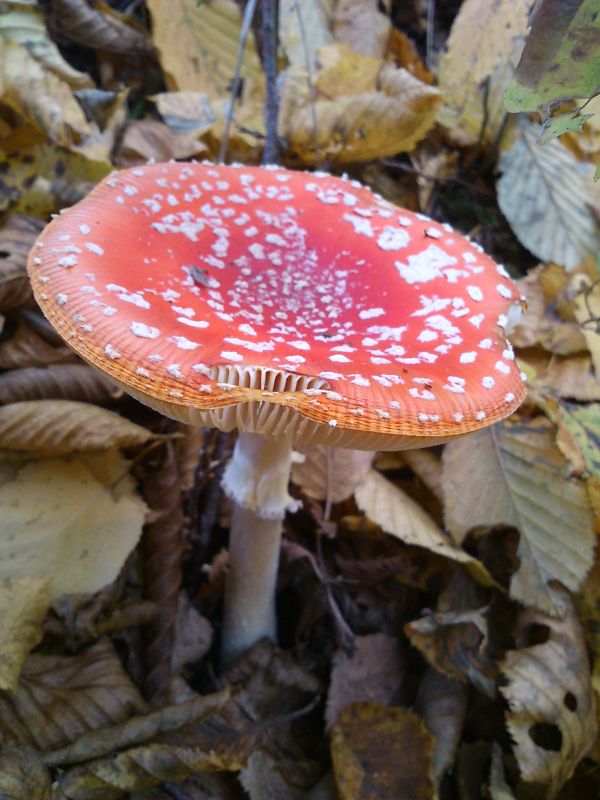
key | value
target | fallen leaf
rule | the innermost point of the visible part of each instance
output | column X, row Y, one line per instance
column 381, row 752
column 561, row 59
column 75, row 21
column 147, row 139
column 72, row 530
column 572, row 378
column 512, row 474
column 587, row 313
column 59, row 427
column 23, row 775
column 548, row 200
column 485, row 42
column 578, row 435
column 23, row 606
column 207, row 37
column 303, row 29
column 184, row 112
column 364, row 109
column 57, row 381
column 362, row 26
column 442, row 702
column 23, row 347
column 373, row 673
column 399, row 515
column 331, row 473
column 551, row 716
column 16, row 239
column 273, row 776
column 60, row 698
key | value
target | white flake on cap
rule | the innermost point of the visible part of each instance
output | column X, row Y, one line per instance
column 111, row 351
column 94, row 248
column 144, row 331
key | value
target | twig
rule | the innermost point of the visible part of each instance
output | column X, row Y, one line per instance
column 269, row 43
column 235, row 86
column 311, row 87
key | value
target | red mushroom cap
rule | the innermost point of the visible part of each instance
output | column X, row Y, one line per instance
column 262, row 292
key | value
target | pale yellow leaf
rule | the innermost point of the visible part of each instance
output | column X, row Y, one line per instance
column 587, row 313
column 514, row 475
column 198, row 44
column 363, row 109
column 63, row 521
column 303, row 29
column 331, row 472
column 23, row 606
column 548, row 200
column 551, row 716
column 362, row 26
column 57, row 427
column 399, row 515
column 483, row 48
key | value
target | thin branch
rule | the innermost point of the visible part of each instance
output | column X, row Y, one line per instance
column 269, row 53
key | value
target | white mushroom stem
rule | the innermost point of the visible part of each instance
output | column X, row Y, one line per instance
column 256, row 479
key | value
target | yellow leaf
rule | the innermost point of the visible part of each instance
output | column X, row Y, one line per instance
column 483, row 48
column 331, row 472
column 62, row 521
column 587, row 313
column 362, row 26
column 514, row 475
column 363, row 109
column 303, row 29
column 23, row 606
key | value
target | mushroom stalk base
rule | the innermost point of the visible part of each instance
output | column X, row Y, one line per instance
column 256, row 480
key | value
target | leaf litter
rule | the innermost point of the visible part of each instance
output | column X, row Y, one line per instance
column 439, row 609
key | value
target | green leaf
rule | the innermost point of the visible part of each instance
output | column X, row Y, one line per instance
column 561, row 58
column 565, row 123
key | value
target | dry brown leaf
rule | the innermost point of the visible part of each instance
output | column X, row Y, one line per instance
column 207, row 37
column 23, row 606
column 147, row 139
column 361, row 25
column 16, row 239
column 364, row 109
column 442, row 702
column 23, row 775
column 551, row 715
column 382, row 752
column 482, row 50
column 406, row 55
column 59, row 698
column 548, row 200
column 373, row 673
column 184, row 112
column 587, row 313
column 25, row 348
column 63, row 521
column 427, row 466
column 58, row 381
column 571, row 377
column 399, row 515
column 58, row 427
column 512, row 474
column 273, row 776
column 76, row 21
column 331, row 473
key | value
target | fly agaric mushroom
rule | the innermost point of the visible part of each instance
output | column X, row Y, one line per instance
column 295, row 307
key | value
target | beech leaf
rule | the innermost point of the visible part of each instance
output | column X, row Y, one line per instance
column 23, row 606
column 331, row 472
column 514, row 475
column 548, row 200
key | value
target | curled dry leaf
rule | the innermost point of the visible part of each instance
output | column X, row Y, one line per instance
column 551, row 715
column 548, row 200
column 331, row 473
column 16, row 239
column 64, row 521
column 60, row 698
column 373, row 673
column 442, row 702
column 57, row 381
column 399, row 515
column 145, row 139
column 23, row 606
column 587, row 313
column 59, row 427
column 571, row 377
column 364, row 109
column 23, row 775
column 25, row 348
column 382, row 752
column 484, row 45
column 515, row 476
column 274, row 775
column 109, row 32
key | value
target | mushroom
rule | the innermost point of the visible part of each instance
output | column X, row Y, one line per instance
column 293, row 307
